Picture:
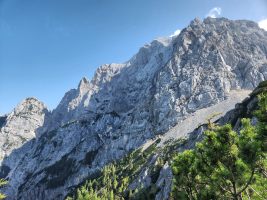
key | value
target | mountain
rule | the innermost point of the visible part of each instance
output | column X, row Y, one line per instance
column 21, row 125
column 163, row 90
column 146, row 172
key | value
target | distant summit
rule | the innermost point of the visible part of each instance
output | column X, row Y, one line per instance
column 21, row 125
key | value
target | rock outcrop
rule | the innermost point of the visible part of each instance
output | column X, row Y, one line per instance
column 125, row 105
column 21, row 125
column 161, row 187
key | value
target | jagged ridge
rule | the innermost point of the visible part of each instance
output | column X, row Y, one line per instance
column 126, row 104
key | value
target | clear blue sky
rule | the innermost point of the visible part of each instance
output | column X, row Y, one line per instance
column 47, row 46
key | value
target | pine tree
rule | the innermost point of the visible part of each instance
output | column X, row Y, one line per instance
column 2, row 183
column 226, row 164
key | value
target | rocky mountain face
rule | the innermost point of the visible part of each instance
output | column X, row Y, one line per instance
column 21, row 125
column 148, row 167
column 125, row 105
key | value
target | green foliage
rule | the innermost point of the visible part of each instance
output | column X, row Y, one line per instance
column 263, row 84
column 114, row 180
column 106, row 188
column 261, row 115
column 113, row 183
column 225, row 164
column 210, row 118
column 143, row 193
column 2, row 183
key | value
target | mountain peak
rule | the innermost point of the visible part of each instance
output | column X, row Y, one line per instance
column 21, row 124
column 30, row 104
column 127, row 104
column 84, row 86
column 84, row 81
column 196, row 21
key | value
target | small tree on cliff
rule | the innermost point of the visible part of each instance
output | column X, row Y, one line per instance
column 2, row 183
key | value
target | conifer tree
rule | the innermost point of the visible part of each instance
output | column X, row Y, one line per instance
column 225, row 164
column 2, row 183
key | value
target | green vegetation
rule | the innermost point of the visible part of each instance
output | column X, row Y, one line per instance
column 2, row 183
column 226, row 164
column 114, row 180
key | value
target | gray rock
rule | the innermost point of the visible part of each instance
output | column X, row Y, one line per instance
column 126, row 104
column 164, row 182
column 21, row 125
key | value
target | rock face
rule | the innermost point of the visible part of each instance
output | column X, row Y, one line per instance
column 124, row 105
column 72, row 105
column 21, row 125
column 164, row 180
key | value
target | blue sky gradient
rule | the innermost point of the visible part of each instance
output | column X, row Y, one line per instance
column 46, row 47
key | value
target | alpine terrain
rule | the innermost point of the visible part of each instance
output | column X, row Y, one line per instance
column 137, row 113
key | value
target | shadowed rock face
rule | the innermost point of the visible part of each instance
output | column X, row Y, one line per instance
column 124, row 105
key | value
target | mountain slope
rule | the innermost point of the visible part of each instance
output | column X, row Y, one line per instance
column 146, row 174
column 21, row 125
column 125, row 105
